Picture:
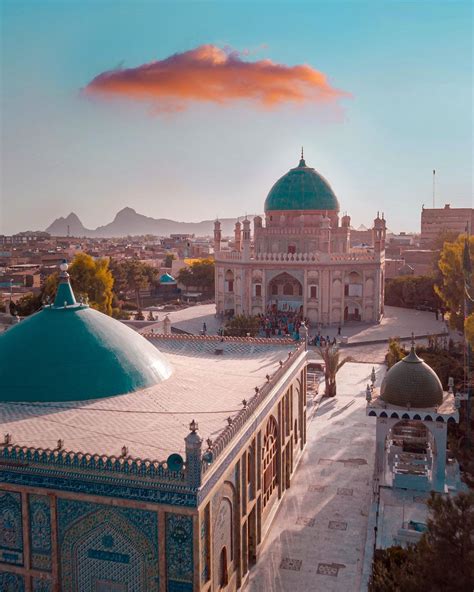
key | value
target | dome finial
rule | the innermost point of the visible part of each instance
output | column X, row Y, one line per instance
column 302, row 161
column 412, row 341
column 64, row 295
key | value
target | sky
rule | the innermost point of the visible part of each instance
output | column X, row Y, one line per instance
column 192, row 110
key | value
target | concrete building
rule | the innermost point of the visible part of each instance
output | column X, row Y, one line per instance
column 436, row 221
column 300, row 260
column 134, row 464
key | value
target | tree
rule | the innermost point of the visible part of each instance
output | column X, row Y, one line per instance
column 241, row 325
column 412, row 292
column 133, row 275
column 332, row 365
column 28, row 304
column 442, row 561
column 469, row 329
column 450, row 288
column 90, row 278
column 150, row 316
column 200, row 275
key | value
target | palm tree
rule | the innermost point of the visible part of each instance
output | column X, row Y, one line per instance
column 332, row 364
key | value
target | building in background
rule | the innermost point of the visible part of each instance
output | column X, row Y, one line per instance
column 437, row 221
column 301, row 260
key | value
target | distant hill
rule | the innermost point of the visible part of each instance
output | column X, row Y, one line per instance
column 128, row 222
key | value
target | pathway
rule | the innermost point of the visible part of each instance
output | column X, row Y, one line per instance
column 317, row 540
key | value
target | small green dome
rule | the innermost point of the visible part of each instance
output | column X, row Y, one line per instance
column 302, row 188
column 70, row 352
column 167, row 278
column 411, row 381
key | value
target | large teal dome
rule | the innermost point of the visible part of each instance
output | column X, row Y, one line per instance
column 70, row 352
column 302, row 188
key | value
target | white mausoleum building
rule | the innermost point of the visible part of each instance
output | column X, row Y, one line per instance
column 299, row 259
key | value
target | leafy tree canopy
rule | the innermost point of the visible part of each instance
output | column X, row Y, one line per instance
column 412, row 292
column 90, row 278
column 450, row 287
column 442, row 561
column 200, row 275
column 241, row 325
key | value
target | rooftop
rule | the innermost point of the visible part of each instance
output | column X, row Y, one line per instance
column 153, row 422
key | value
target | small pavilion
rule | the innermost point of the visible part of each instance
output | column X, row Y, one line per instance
column 413, row 413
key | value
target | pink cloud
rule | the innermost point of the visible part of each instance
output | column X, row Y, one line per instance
column 208, row 74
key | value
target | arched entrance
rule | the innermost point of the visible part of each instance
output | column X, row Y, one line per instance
column 285, row 293
column 410, row 453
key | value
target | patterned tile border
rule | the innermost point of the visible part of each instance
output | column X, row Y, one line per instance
column 316, row 488
column 305, row 521
column 329, row 569
column 337, row 525
column 345, row 491
column 291, row 564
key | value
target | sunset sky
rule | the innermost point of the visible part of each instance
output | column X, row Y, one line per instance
column 188, row 110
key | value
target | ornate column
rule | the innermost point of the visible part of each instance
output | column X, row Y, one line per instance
column 193, row 444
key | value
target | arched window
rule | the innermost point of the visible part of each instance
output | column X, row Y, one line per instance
column 223, row 572
column 274, row 290
column 288, row 290
column 229, row 281
column 269, row 460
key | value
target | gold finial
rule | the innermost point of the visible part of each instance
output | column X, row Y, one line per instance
column 302, row 153
column 412, row 340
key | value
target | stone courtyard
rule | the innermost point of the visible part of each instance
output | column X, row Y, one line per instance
column 318, row 537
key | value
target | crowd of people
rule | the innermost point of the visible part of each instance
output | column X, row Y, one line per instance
column 281, row 323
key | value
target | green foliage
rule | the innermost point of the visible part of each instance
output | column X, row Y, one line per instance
column 200, row 275
column 395, row 352
column 120, row 314
column 28, row 304
column 150, row 316
column 90, row 278
column 241, row 325
column 450, row 287
column 442, row 561
column 132, row 275
column 332, row 364
column 412, row 292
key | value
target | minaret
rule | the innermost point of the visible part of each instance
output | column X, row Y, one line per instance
column 238, row 236
column 379, row 231
column 217, row 236
column 246, row 239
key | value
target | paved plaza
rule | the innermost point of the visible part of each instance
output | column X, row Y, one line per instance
column 317, row 540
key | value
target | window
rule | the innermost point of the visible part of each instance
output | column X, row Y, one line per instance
column 274, row 290
column 269, row 460
column 223, row 573
column 291, row 249
column 288, row 290
column 313, row 291
column 230, row 285
column 258, row 289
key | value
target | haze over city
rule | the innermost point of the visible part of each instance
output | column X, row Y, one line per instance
column 377, row 93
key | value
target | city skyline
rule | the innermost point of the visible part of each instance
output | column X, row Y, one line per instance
column 388, row 100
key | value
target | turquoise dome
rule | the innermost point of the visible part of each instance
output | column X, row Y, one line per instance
column 167, row 278
column 70, row 352
column 302, row 188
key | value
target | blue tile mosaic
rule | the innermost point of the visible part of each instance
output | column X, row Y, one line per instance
column 179, row 551
column 10, row 582
column 41, row 585
column 11, row 528
column 40, row 531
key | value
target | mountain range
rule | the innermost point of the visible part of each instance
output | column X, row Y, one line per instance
column 128, row 222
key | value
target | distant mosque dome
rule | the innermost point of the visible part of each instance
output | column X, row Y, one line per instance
column 302, row 188
column 167, row 278
column 411, row 381
column 70, row 352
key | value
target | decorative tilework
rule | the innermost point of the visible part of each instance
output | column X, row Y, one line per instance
column 179, row 549
column 11, row 528
column 42, row 585
column 204, row 543
column 10, row 582
column 40, row 531
column 291, row 564
column 101, row 543
column 110, row 488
